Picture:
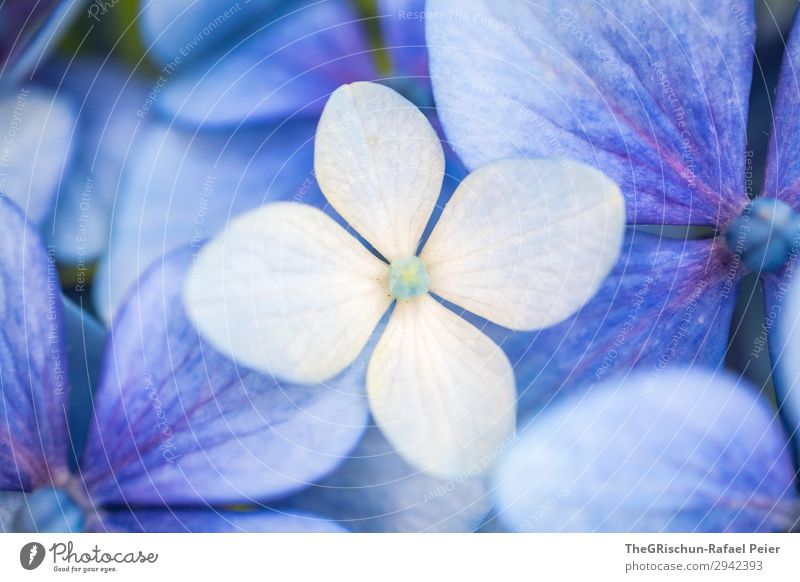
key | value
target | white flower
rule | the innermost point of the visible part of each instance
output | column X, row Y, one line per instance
column 522, row 243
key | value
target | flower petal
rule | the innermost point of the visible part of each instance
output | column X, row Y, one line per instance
column 526, row 243
column 380, row 164
column 375, row 490
column 30, row 30
column 10, row 502
column 106, row 97
column 34, row 389
column 181, row 29
column 654, row 94
column 213, row 521
column 177, row 423
column 692, row 451
column 667, row 302
column 782, row 171
column 289, row 66
column 286, row 290
column 36, row 132
column 782, row 326
column 179, row 188
column 440, row 390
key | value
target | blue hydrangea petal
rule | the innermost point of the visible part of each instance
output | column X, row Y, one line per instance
column 106, row 98
column 681, row 451
column 34, row 385
column 377, row 491
column 30, row 30
column 667, row 302
column 179, row 188
column 782, row 171
column 189, row 30
column 177, row 423
column 290, row 66
column 36, row 130
column 781, row 332
column 214, row 521
column 653, row 94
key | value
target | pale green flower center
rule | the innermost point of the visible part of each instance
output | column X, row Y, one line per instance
column 408, row 278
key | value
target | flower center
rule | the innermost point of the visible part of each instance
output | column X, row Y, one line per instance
column 765, row 235
column 408, row 278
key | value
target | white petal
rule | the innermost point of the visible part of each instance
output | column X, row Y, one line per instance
column 526, row 243
column 380, row 164
column 441, row 391
column 288, row 291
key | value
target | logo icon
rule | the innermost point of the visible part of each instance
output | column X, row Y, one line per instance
column 31, row 555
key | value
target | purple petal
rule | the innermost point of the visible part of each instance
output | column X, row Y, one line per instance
column 36, row 131
column 188, row 29
column 178, row 423
column 180, row 188
column 376, row 491
column 782, row 172
column 655, row 96
column 668, row 302
column 106, row 97
column 34, row 390
column 691, row 451
column 211, row 521
column 289, row 66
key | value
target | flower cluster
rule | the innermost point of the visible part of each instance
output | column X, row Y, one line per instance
column 397, row 266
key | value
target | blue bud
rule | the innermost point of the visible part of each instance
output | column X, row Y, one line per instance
column 764, row 234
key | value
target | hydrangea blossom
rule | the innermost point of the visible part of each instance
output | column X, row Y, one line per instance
column 176, row 426
column 687, row 451
column 662, row 113
column 522, row 243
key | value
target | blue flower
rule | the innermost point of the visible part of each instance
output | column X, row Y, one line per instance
column 174, row 423
column 684, row 451
column 233, row 112
column 656, row 96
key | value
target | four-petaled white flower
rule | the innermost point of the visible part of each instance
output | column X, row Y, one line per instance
column 522, row 243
